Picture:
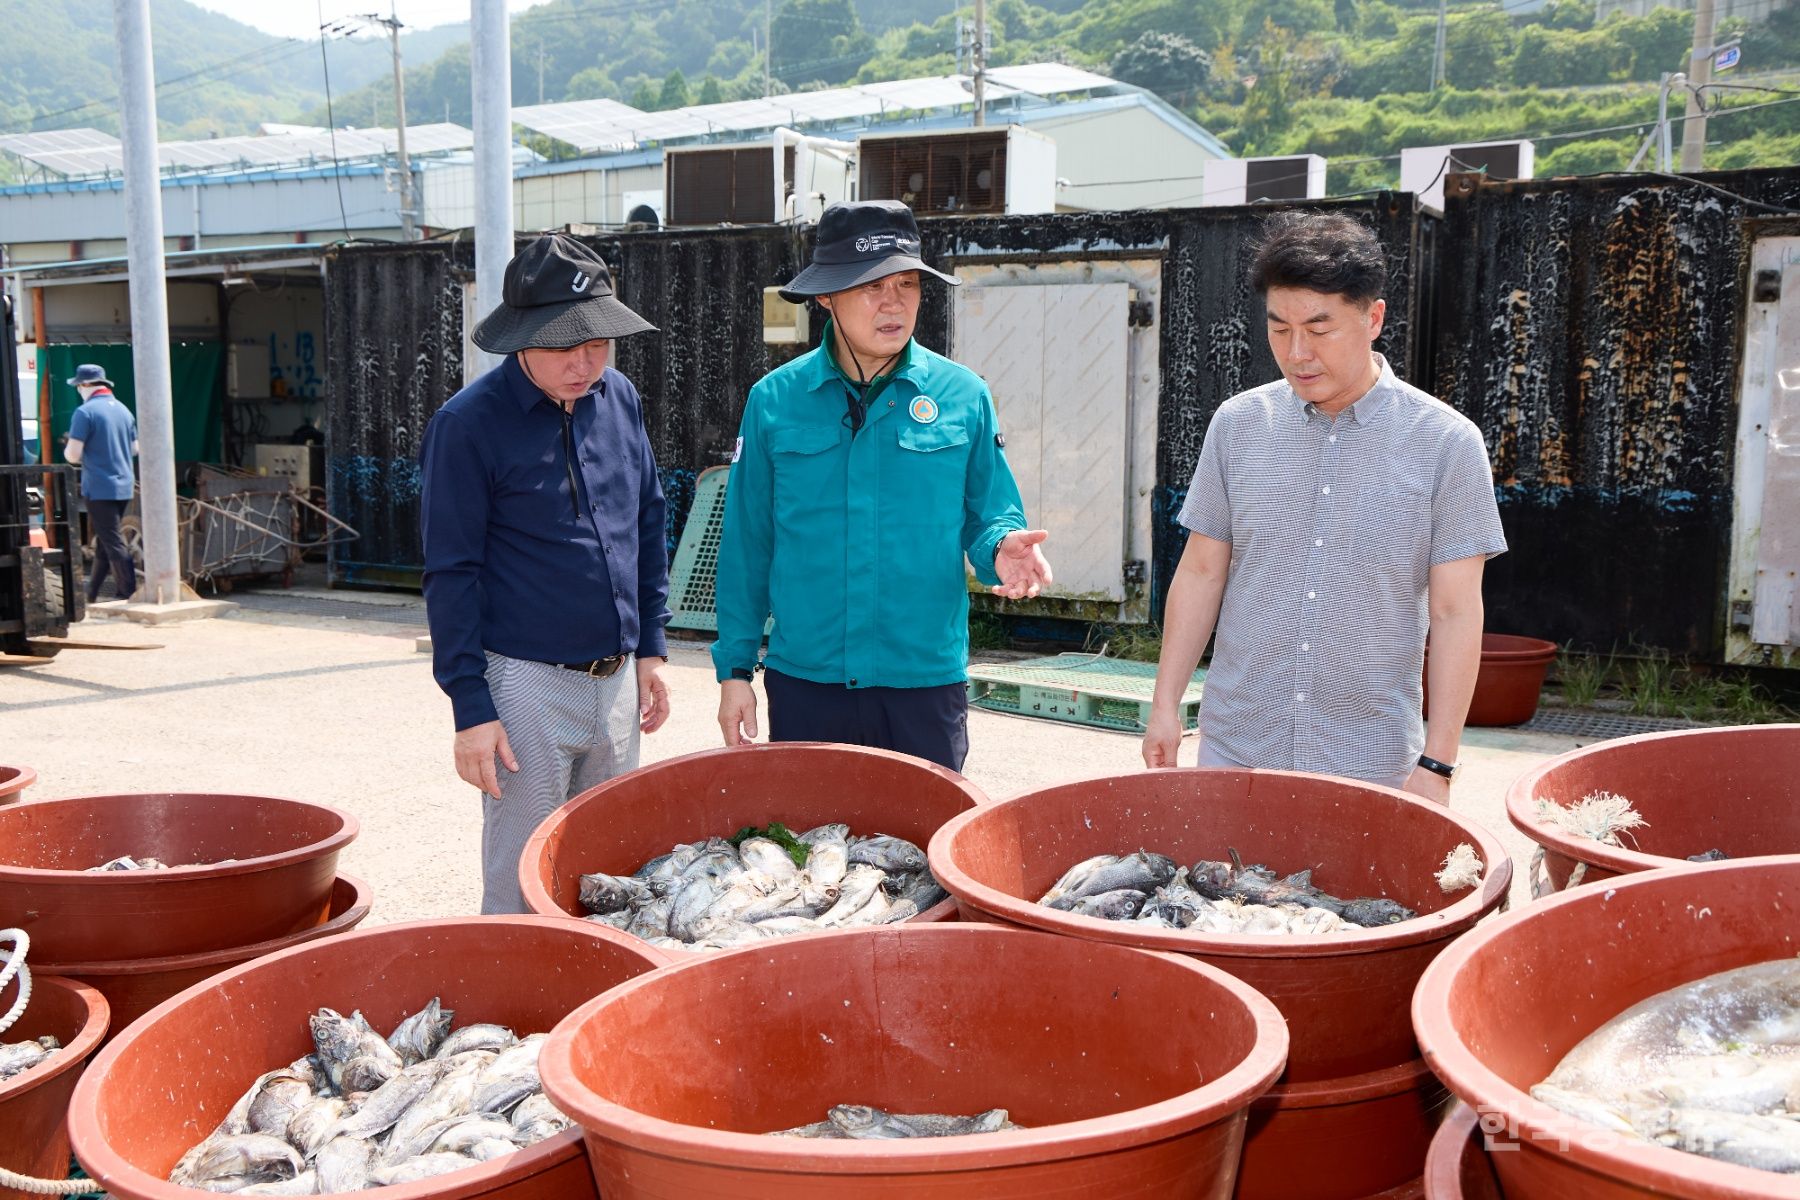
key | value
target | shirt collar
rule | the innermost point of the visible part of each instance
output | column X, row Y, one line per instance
column 1371, row 404
column 822, row 367
column 526, row 393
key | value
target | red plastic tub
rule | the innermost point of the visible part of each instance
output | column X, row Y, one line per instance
column 1499, row 1009
column 1736, row 790
column 33, row 1138
column 14, row 781
column 1457, row 1167
column 171, row 1077
column 1131, row 1071
column 135, row 986
column 285, row 854
column 1353, row 1081
column 1510, row 680
column 623, row 823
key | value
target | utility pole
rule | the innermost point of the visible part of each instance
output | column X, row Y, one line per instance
column 490, row 78
column 1699, row 74
column 1440, row 49
column 409, row 213
column 978, row 58
column 540, row 74
column 768, row 43
column 149, row 300
column 1665, row 158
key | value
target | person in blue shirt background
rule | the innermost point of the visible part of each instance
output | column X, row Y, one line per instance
column 103, row 442
column 864, row 471
column 546, row 572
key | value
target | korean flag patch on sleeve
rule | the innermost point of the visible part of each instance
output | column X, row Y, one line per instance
column 737, row 451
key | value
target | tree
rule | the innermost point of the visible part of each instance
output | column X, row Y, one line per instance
column 674, row 92
column 817, row 40
column 1165, row 63
column 710, row 92
column 1475, row 46
column 646, row 96
column 591, row 83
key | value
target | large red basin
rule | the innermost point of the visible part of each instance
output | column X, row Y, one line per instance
column 171, row 1077
column 1131, row 1070
column 1499, row 1009
column 623, row 823
column 33, row 1138
column 14, row 781
column 135, row 986
column 1457, row 1167
column 1509, row 681
column 1736, row 790
column 286, row 854
column 1353, row 1084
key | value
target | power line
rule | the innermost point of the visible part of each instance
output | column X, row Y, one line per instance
column 337, row 167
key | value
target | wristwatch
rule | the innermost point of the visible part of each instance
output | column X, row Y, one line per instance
column 1447, row 770
column 743, row 673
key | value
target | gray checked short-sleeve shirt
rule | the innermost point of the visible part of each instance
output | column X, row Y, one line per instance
column 1334, row 527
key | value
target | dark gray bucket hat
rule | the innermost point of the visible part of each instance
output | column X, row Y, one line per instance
column 558, row 294
column 860, row 243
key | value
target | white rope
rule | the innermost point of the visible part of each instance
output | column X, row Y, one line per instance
column 1541, row 883
column 15, row 965
column 47, row 1187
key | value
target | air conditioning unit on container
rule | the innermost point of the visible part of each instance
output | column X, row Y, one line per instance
column 1005, row 169
column 1249, row 180
column 735, row 185
column 1423, row 169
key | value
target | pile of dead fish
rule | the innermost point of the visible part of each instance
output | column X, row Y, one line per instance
column 861, row 1122
column 18, row 1057
column 1711, row 1067
column 1212, row 897
column 711, row 895
column 364, row 1111
column 144, row 862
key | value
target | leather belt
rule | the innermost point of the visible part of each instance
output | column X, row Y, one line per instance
column 599, row 668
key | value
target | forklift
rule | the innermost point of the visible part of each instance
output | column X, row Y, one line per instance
column 41, row 592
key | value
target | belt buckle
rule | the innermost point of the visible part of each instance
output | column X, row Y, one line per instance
column 610, row 665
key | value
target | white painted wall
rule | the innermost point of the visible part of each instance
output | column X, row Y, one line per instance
column 1126, row 158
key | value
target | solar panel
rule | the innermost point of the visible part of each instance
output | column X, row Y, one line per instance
column 1049, row 79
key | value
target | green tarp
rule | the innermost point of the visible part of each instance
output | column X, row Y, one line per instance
column 193, row 370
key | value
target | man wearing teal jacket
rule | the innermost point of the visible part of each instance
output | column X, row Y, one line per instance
column 865, row 470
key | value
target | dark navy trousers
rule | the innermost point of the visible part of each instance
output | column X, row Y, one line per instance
column 928, row 722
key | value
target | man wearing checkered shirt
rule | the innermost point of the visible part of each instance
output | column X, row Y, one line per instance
column 1335, row 515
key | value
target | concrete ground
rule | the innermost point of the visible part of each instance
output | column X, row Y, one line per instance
column 344, row 710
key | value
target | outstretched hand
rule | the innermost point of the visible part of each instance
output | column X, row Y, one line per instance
column 1021, row 566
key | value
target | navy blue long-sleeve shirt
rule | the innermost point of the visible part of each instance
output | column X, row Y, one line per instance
column 521, row 560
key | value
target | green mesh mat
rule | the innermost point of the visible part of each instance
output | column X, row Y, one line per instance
column 1083, row 689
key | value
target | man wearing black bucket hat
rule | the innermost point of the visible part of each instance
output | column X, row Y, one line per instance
column 865, row 470
column 546, row 570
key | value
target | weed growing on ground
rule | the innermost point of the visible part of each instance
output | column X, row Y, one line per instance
column 1139, row 643
column 1582, row 676
column 986, row 632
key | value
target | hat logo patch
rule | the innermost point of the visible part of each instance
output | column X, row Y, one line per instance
column 886, row 241
column 582, row 279
column 923, row 409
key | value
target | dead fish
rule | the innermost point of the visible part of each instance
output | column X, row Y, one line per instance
column 279, row 1095
column 344, row 1164
column 1140, row 872
column 365, row 1073
column 886, row 853
column 19, row 1057
column 693, row 903
column 236, row 1161
column 397, row 1098
column 921, row 887
column 827, row 860
column 895, row 912
column 306, row 1183
column 762, row 854
column 419, row 1036
column 465, row 1135
column 126, row 862
column 476, row 1037
column 537, row 1118
column 863, row 1121
column 1258, row 884
column 818, row 1129
column 615, row 920
column 1766, row 1143
column 860, row 882
column 338, row 1039
column 451, row 1096
column 511, row 1077
column 314, row 1125
column 819, row 834
column 1121, row 904
column 423, row 1166
column 1709, row 856
column 603, row 893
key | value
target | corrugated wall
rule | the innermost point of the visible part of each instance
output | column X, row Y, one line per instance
column 393, row 354
column 1591, row 328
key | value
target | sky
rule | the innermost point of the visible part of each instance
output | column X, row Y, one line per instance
column 298, row 18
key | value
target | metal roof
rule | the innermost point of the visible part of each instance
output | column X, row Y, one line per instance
column 602, row 126
column 75, row 153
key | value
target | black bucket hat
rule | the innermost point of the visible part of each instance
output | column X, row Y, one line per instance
column 558, row 294
column 860, row 243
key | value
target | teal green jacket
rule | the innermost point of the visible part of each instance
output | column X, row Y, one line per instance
column 855, row 543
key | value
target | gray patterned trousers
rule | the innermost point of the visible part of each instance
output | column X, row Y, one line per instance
column 569, row 732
